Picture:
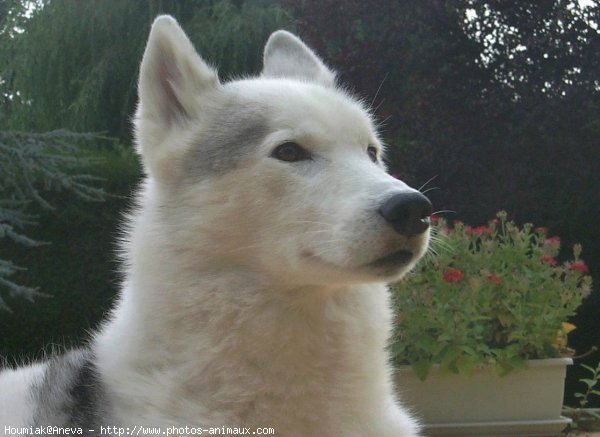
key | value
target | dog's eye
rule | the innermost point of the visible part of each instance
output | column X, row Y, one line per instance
column 290, row 152
column 372, row 152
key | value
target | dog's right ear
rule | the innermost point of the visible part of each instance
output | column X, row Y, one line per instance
column 174, row 82
column 172, row 74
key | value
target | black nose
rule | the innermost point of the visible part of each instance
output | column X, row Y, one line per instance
column 408, row 213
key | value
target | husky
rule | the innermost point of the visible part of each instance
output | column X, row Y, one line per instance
column 256, row 262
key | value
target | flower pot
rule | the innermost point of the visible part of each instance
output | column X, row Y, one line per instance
column 523, row 403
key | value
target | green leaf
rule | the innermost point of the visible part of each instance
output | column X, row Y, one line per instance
column 592, row 413
column 591, row 369
column 397, row 349
column 449, row 355
column 466, row 365
column 421, row 368
column 469, row 350
column 589, row 382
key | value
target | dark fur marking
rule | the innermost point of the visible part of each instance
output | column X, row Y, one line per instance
column 234, row 132
column 71, row 393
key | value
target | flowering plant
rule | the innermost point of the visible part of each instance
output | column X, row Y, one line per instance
column 492, row 295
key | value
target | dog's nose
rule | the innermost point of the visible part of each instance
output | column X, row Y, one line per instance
column 408, row 213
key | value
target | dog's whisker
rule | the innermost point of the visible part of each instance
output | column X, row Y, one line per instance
column 440, row 243
column 428, row 181
column 443, row 211
column 378, row 89
column 429, row 189
column 382, row 123
column 374, row 110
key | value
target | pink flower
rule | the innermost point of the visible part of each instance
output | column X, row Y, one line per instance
column 553, row 241
column 547, row 259
column 434, row 219
column 579, row 265
column 452, row 275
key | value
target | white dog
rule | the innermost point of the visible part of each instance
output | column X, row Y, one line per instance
column 256, row 262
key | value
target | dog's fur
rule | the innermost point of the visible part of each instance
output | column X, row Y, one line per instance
column 255, row 287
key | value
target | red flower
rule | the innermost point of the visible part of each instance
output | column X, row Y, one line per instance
column 480, row 230
column 452, row 275
column 495, row 279
column 434, row 218
column 553, row 240
column 579, row 265
column 547, row 259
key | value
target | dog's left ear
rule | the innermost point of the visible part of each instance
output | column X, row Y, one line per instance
column 287, row 56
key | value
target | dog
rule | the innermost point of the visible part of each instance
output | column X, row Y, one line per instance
column 256, row 261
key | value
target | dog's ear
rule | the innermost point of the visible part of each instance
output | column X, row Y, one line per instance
column 172, row 74
column 287, row 56
column 174, row 86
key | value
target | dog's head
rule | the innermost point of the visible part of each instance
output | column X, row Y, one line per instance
column 282, row 173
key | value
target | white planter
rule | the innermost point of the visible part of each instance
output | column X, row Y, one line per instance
column 522, row 403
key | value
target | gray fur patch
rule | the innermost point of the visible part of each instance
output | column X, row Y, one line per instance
column 71, row 394
column 235, row 131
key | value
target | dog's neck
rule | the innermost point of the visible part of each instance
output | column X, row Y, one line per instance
column 242, row 300
column 238, row 338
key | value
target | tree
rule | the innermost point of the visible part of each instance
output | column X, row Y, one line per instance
column 75, row 64
column 537, row 47
column 29, row 161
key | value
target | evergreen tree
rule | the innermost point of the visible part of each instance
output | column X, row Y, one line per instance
column 30, row 162
column 75, row 64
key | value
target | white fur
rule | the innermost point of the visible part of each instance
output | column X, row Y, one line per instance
column 249, row 299
column 15, row 402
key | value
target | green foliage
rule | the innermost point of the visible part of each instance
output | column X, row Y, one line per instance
column 75, row 64
column 493, row 295
column 590, row 385
column 585, row 418
column 31, row 162
column 78, row 270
